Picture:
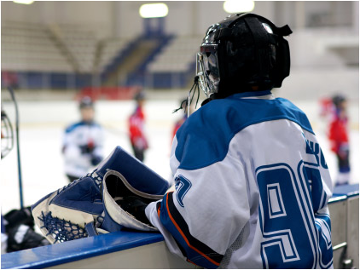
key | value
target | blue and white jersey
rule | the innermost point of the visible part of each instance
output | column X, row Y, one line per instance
column 252, row 187
column 76, row 137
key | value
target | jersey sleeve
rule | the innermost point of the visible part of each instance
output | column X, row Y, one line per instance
column 206, row 212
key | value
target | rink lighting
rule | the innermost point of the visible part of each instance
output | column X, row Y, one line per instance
column 23, row 2
column 235, row 6
column 155, row 10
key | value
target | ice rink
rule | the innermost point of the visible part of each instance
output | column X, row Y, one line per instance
column 42, row 125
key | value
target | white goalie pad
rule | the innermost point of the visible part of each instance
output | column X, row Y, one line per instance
column 59, row 224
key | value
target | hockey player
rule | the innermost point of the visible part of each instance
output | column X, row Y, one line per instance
column 137, row 135
column 83, row 142
column 339, row 138
column 252, row 183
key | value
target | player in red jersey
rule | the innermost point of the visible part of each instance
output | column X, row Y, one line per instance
column 339, row 138
column 138, row 139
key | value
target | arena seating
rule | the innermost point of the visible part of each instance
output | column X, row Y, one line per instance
column 81, row 43
column 69, row 56
column 123, row 249
column 177, row 56
column 175, row 65
column 111, row 49
column 29, row 47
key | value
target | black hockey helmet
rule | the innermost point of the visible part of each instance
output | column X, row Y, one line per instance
column 86, row 102
column 244, row 52
column 338, row 99
column 140, row 96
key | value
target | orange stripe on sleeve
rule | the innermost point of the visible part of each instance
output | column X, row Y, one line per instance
column 183, row 235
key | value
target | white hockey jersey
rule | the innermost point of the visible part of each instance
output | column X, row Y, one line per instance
column 252, row 187
column 79, row 135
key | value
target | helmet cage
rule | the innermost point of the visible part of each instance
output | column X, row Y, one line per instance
column 207, row 68
column 243, row 51
column 7, row 135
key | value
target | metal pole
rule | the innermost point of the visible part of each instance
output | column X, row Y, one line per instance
column 17, row 146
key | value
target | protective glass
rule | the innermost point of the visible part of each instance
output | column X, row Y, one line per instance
column 207, row 68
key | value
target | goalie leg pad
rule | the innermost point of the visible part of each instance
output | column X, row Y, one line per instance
column 77, row 210
column 64, row 214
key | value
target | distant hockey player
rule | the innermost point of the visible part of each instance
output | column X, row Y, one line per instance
column 137, row 135
column 339, row 138
column 83, row 142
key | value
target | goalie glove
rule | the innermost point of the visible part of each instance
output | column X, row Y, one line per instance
column 125, row 204
column 136, row 207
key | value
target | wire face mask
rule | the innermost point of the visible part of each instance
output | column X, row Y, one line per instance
column 7, row 135
column 207, row 76
column 207, row 69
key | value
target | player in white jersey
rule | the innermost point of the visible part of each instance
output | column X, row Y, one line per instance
column 252, row 183
column 83, row 142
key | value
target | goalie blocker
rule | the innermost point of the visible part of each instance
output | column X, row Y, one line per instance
column 100, row 202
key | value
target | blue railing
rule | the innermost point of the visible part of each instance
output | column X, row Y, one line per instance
column 50, row 80
column 85, row 248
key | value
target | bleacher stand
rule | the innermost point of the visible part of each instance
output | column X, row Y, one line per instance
column 177, row 56
column 175, row 65
column 81, row 43
column 111, row 48
column 69, row 56
column 29, row 47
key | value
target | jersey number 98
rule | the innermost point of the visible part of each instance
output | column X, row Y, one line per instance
column 294, row 235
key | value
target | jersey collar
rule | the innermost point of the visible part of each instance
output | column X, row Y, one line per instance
column 251, row 94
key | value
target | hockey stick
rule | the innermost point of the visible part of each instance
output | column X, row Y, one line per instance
column 17, row 146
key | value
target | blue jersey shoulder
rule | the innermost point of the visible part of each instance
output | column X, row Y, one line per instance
column 210, row 129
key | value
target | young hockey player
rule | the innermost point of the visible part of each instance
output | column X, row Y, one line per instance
column 339, row 138
column 83, row 142
column 251, row 181
column 137, row 135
